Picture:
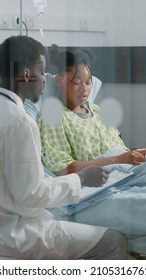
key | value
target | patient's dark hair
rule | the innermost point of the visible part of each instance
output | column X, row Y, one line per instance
column 17, row 52
column 65, row 59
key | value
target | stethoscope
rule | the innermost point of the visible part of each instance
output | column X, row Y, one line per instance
column 8, row 97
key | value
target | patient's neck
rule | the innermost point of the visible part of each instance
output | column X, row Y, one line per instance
column 80, row 109
column 73, row 107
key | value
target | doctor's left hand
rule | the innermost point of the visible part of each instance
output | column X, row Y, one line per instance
column 94, row 176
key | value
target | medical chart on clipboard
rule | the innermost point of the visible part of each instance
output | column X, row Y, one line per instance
column 116, row 178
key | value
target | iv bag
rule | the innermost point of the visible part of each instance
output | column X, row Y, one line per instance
column 40, row 5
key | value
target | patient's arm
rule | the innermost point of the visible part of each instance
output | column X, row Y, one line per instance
column 132, row 157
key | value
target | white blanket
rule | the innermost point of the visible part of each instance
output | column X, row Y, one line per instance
column 121, row 207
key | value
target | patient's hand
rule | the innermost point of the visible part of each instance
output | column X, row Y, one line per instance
column 94, row 176
column 141, row 150
column 133, row 157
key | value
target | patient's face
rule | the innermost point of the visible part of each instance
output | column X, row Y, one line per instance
column 75, row 86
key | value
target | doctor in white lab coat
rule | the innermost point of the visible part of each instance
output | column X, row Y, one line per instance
column 27, row 230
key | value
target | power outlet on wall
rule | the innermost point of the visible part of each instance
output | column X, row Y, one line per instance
column 16, row 21
column 83, row 24
column 5, row 21
column 30, row 21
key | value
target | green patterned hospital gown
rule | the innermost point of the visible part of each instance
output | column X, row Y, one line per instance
column 76, row 138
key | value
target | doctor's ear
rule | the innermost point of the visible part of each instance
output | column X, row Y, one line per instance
column 26, row 75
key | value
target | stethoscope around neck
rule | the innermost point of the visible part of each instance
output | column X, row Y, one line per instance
column 8, row 97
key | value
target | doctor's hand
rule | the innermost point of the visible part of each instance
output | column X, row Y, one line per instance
column 94, row 176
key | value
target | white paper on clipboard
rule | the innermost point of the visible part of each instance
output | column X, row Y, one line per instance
column 116, row 178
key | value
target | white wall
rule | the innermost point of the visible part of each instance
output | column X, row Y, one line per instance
column 125, row 21
column 72, row 11
column 117, row 23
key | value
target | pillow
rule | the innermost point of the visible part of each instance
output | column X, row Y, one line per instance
column 51, row 89
column 96, row 84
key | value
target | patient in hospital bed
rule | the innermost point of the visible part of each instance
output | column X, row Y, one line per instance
column 85, row 141
column 83, row 137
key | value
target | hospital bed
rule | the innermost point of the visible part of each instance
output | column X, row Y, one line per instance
column 34, row 111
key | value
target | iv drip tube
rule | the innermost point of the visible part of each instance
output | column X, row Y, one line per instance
column 40, row 5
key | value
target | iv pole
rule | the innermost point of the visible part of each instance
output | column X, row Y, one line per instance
column 20, row 17
column 41, row 5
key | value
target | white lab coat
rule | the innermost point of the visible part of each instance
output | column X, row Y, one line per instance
column 27, row 230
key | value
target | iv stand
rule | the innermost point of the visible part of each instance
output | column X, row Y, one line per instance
column 20, row 17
